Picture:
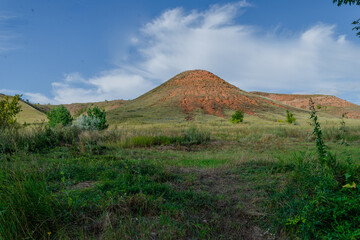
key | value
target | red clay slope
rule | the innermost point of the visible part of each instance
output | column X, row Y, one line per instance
column 333, row 105
column 199, row 89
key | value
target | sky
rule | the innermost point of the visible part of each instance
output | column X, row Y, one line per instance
column 88, row 50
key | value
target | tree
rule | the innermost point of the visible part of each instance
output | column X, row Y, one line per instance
column 59, row 115
column 351, row 2
column 101, row 115
column 8, row 110
column 237, row 117
column 290, row 117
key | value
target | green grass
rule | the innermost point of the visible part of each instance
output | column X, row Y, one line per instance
column 180, row 181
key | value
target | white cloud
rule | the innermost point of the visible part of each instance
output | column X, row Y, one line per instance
column 316, row 60
column 108, row 85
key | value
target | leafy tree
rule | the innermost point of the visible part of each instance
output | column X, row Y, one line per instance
column 59, row 115
column 351, row 2
column 95, row 112
column 290, row 117
column 8, row 110
column 237, row 117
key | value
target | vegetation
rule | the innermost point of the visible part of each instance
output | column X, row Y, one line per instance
column 200, row 180
column 8, row 111
column 290, row 117
column 321, row 199
column 96, row 113
column 238, row 117
column 351, row 2
column 59, row 116
column 85, row 122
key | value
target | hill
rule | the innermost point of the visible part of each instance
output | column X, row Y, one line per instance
column 76, row 109
column 29, row 113
column 193, row 93
column 325, row 103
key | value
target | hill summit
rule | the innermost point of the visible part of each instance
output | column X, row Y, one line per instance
column 200, row 91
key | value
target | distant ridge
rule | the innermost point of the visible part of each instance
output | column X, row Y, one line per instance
column 327, row 103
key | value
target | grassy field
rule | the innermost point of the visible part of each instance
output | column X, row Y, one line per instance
column 260, row 179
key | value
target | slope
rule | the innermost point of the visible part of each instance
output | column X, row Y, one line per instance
column 325, row 103
column 192, row 93
column 29, row 114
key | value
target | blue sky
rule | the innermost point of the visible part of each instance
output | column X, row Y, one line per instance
column 89, row 50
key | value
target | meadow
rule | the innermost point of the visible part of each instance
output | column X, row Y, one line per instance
column 205, row 179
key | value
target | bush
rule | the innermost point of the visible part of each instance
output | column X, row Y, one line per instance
column 36, row 140
column 101, row 115
column 59, row 115
column 193, row 136
column 9, row 110
column 290, row 117
column 87, row 123
column 237, row 117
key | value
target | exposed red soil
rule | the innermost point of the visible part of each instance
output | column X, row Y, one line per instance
column 302, row 101
column 199, row 89
column 332, row 104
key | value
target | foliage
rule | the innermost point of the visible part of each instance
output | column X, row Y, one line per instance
column 343, row 129
column 191, row 136
column 290, row 117
column 85, row 122
column 59, row 116
column 237, row 117
column 95, row 112
column 321, row 199
column 351, row 2
column 38, row 139
column 8, row 111
column 320, row 145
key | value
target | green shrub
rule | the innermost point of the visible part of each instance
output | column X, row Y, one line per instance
column 290, row 117
column 87, row 123
column 101, row 115
column 59, row 115
column 237, row 117
column 9, row 110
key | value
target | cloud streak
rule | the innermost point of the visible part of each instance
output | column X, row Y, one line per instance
column 313, row 61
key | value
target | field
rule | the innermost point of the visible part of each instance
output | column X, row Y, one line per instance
column 204, row 179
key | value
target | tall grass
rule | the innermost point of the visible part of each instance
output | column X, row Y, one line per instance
column 321, row 199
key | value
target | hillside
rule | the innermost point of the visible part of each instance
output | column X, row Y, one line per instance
column 325, row 103
column 29, row 114
column 76, row 109
column 192, row 93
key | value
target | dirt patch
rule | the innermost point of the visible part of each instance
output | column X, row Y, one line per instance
column 83, row 185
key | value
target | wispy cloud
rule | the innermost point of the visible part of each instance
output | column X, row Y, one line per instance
column 315, row 60
column 5, row 35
